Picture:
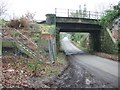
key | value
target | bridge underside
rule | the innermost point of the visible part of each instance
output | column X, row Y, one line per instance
column 70, row 24
column 93, row 29
column 78, row 27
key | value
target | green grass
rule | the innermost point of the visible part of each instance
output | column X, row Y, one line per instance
column 7, row 44
column 35, row 38
column 48, row 69
column 61, row 58
column 60, row 63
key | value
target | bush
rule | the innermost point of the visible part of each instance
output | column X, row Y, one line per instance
column 24, row 23
column 14, row 24
column 19, row 23
column 110, row 15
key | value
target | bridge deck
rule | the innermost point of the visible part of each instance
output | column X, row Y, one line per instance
column 76, row 20
column 70, row 24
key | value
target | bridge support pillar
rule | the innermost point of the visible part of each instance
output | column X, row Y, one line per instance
column 57, row 40
column 95, row 42
column 51, row 19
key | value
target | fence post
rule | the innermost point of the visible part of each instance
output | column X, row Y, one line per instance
column 53, row 48
column 51, row 52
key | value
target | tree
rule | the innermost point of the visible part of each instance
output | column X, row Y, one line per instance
column 80, row 13
column 30, row 16
column 76, row 14
column 111, row 14
column 117, row 8
column 84, row 11
column 3, row 8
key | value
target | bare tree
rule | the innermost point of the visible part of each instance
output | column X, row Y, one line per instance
column 3, row 8
column 30, row 16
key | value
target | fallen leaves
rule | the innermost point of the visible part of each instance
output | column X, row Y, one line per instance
column 17, row 72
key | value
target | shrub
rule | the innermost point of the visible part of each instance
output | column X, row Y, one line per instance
column 24, row 23
column 19, row 23
column 14, row 24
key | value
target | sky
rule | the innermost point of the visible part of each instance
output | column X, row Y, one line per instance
column 17, row 8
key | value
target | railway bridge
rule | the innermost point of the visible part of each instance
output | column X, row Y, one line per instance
column 87, row 23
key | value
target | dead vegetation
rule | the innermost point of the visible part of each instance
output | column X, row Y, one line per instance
column 18, row 72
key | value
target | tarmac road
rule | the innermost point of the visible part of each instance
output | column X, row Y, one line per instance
column 102, row 69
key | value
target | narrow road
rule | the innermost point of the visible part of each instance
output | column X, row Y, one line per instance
column 86, row 70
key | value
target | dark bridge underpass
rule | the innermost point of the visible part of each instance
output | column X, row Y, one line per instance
column 71, row 24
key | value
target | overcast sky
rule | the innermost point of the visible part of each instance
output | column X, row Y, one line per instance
column 41, row 7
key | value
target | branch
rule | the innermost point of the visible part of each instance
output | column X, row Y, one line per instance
column 2, row 8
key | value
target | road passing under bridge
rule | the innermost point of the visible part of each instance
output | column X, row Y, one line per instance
column 85, row 70
column 102, row 68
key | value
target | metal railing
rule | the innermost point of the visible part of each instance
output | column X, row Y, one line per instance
column 78, row 13
column 25, row 49
column 26, row 38
column 26, row 45
column 21, row 43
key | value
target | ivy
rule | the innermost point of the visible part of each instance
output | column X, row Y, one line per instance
column 109, row 17
column 106, row 43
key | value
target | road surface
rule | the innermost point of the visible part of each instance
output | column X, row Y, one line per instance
column 86, row 70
